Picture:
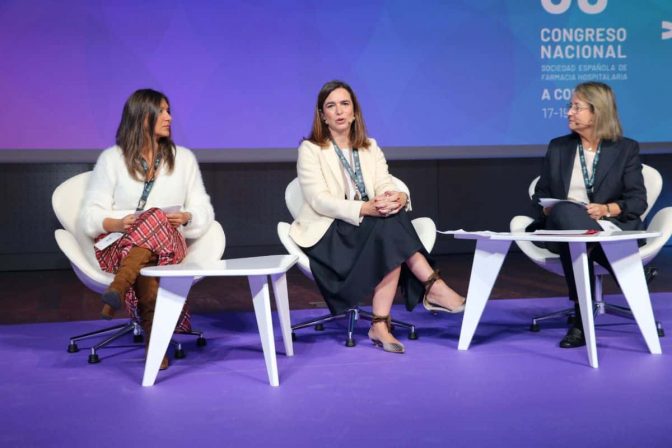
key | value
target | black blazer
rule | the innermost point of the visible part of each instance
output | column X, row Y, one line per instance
column 618, row 178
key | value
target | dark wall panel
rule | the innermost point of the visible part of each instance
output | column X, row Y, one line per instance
column 473, row 194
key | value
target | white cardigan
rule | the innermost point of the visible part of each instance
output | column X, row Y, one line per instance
column 113, row 193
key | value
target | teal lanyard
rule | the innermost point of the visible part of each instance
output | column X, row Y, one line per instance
column 149, row 184
column 355, row 175
column 589, row 181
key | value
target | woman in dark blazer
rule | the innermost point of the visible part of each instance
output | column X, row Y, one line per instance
column 600, row 170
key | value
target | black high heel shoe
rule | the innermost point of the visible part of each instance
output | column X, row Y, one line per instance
column 429, row 306
column 392, row 347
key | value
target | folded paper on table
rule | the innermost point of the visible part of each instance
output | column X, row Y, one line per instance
column 466, row 232
column 566, row 232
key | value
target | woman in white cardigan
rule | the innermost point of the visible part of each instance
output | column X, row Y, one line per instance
column 353, row 225
column 145, row 196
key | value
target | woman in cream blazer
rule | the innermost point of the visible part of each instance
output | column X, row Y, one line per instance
column 353, row 225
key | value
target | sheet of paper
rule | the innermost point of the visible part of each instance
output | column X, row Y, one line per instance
column 109, row 239
column 608, row 226
column 166, row 210
column 565, row 232
column 550, row 202
column 465, row 232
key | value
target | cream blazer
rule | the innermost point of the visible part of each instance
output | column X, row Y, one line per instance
column 322, row 183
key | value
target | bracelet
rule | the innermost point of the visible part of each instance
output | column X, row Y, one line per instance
column 608, row 211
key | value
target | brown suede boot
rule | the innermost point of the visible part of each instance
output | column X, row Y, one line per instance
column 129, row 268
column 146, row 289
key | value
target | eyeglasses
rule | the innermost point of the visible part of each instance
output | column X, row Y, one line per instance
column 576, row 108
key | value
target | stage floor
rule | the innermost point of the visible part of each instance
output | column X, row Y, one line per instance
column 513, row 388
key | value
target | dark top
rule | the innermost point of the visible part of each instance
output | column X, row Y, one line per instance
column 618, row 179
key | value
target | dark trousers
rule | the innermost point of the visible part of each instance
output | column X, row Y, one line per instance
column 569, row 216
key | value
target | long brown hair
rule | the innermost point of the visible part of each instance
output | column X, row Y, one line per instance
column 602, row 103
column 320, row 134
column 136, row 130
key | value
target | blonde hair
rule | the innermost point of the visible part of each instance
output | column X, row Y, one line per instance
column 602, row 103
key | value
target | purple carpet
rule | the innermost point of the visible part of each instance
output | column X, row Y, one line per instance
column 513, row 388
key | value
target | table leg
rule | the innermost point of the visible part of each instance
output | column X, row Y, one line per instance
column 582, row 280
column 626, row 262
column 262, row 309
column 279, row 282
column 488, row 259
column 170, row 300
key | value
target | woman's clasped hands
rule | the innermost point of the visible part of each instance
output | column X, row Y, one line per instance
column 389, row 203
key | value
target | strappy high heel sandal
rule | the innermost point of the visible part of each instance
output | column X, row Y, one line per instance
column 433, row 307
column 392, row 347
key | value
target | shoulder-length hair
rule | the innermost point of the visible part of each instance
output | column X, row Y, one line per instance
column 136, row 130
column 602, row 102
column 320, row 134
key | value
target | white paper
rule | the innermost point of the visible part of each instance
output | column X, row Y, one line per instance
column 564, row 232
column 608, row 226
column 550, row 202
column 167, row 210
column 109, row 239
column 465, row 232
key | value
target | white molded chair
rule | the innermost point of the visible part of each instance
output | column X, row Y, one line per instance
column 661, row 222
column 78, row 248
column 425, row 228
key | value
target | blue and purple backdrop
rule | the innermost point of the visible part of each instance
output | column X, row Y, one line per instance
column 245, row 73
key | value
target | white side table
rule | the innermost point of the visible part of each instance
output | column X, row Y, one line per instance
column 621, row 250
column 176, row 281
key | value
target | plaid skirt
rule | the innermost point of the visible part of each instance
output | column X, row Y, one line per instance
column 151, row 230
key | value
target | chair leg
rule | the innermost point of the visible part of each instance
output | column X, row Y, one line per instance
column 319, row 320
column 93, row 355
column 118, row 330
column 178, row 351
column 624, row 311
column 123, row 329
column 200, row 340
column 353, row 315
column 650, row 273
column 567, row 312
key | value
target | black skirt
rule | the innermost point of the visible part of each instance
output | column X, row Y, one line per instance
column 350, row 261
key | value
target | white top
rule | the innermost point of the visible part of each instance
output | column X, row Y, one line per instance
column 577, row 188
column 113, row 193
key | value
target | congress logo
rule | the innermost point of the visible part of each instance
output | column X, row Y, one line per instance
column 586, row 6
